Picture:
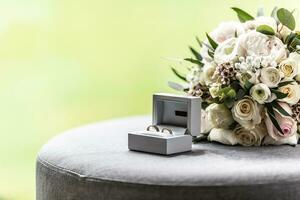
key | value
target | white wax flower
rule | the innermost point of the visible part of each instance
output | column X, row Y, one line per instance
column 293, row 91
column 222, row 136
column 219, row 115
column 261, row 93
column 257, row 44
column 250, row 137
column 270, row 76
column 226, row 51
column 247, row 112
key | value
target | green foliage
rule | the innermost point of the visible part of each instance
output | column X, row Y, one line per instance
column 285, row 83
column 273, row 119
column 194, row 61
column 277, row 106
column 242, row 15
column 178, row 74
column 196, row 54
column 286, row 18
column 292, row 41
column 265, row 29
column 278, row 94
column 213, row 44
column 248, row 85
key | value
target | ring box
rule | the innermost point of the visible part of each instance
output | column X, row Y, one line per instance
column 179, row 115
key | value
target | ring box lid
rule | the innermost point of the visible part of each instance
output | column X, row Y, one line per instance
column 180, row 113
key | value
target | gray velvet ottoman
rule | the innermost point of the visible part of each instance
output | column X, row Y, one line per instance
column 93, row 163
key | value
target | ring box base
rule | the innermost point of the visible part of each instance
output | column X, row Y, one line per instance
column 167, row 145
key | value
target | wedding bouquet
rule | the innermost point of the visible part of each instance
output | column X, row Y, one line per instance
column 247, row 74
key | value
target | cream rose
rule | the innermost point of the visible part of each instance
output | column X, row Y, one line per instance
column 226, row 51
column 247, row 112
column 257, row 44
column 252, row 137
column 283, row 31
column 219, row 115
column 296, row 57
column 222, row 136
column 287, row 124
column 289, row 68
column 293, row 92
column 261, row 93
column 270, row 76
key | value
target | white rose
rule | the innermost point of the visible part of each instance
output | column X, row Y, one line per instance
column 262, row 20
column 226, row 51
column 227, row 30
column 222, row 136
column 257, row 44
column 219, row 115
column 247, row 112
column 208, row 72
column 293, row 140
column 206, row 124
column 252, row 137
column 296, row 56
column 270, row 76
column 289, row 68
column 261, row 93
column 293, row 91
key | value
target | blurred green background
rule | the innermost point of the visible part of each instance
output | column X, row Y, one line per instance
column 64, row 63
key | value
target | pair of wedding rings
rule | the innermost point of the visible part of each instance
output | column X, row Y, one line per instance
column 163, row 130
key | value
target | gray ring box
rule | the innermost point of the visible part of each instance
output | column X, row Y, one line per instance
column 179, row 113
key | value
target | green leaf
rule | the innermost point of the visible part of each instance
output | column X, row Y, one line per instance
column 211, row 54
column 278, row 94
column 248, row 85
column 277, row 106
column 196, row 54
column 271, row 114
column 286, row 18
column 194, row 61
column 265, row 29
column 285, row 83
column 240, row 94
column 274, row 13
column 213, row 44
column 199, row 42
column 179, row 75
column 242, row 15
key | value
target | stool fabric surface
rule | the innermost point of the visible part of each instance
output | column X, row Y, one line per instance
column 93, row 163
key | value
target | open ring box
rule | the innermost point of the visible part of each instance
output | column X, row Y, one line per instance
column 179, row 115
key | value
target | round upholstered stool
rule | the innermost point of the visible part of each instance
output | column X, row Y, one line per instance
column 94, row 163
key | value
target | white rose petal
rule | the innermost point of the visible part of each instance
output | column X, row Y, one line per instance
column 227, row 30
column 293, row 91
column 206, row 124
column 270, row 76
column 219, row 115
column 247, row 112
column 289, row 68
column 222, row 136
column 293, row 140
column 208, row 72
column 252, row 137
